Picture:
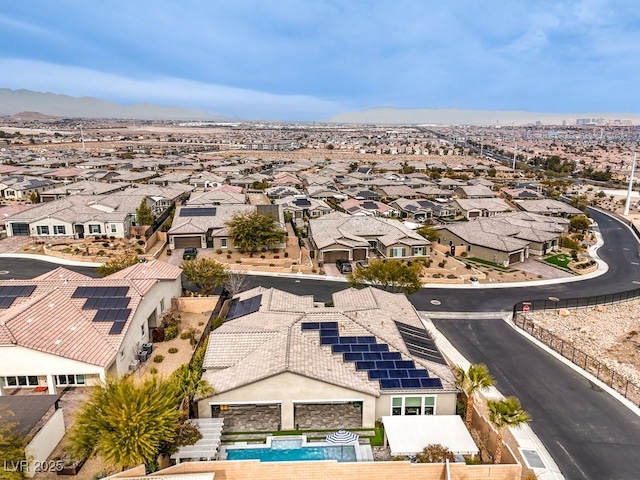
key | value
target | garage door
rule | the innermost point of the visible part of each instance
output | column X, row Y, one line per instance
column 360, row 254
column 514, row 258
column 330, row 257
column 184, row 242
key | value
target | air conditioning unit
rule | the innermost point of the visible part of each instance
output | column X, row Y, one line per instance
column 142, row 356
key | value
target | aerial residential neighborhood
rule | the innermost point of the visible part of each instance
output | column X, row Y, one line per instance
column 298, row 275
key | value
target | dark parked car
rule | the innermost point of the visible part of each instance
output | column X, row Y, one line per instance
column 344, row 266
column 189, row 253
column 362, row 264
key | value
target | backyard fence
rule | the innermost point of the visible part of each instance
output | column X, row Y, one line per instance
column 588, row 363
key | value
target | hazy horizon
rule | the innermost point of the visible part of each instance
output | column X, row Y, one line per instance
column 310, row 61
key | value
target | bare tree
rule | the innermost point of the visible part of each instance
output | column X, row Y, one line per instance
column 236, row 282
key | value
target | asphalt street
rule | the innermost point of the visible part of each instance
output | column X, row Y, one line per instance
column 589, row 434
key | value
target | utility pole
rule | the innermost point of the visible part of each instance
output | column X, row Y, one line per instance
column 627, row 204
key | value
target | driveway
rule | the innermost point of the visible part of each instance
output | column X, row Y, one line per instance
column 535, row 267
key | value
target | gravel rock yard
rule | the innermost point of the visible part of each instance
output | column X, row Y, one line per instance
column 610, row 333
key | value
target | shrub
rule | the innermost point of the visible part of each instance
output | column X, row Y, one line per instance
column 217, row 322
column 173, row 350
column 139, row 251
column 170, row 332
column 100, row 253
column 112, row 238
column 185, row 335
column 467, row 266
column 140, row 242
column 105, row 244
column 451, row 276
column 228, row 255
column 238, row 261
column 286, row 254
column 158, row 358
column 272, row 264
column 276, row 256
column 219, row 251
column 262, row 256
column 153, row 370
column 442, row 263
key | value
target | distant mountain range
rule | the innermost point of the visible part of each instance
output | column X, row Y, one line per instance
column 27, row 102
column 18, row 101
column 453, row 116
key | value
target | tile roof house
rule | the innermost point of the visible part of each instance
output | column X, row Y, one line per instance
column 504, row 239
column 548, row 206
column 338, row 235
column 369, row 208
column 283, row 354
column 66, row 329
column 20, row 187
column 302, row 208
column 471, row 208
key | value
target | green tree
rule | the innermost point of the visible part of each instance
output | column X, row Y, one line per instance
column 125, row 422
column 116, row 264
column 435, row 453
column 144, row 215
column 34, row 197
column 579, row 202
column 207, row 274
column 254, row 230
column 189, row 384
column 391, row 275
column 502, row 414
column 11, row 447
column 471, row 381
column 428, row 232
column 579, row 222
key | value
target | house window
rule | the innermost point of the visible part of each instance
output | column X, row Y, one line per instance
column 161, row 305
column 70, row 380
column 418, row 251
column 94, row 228
column 59, row 230
column 114, row 228
column 396, row 252
column 43, row 229
column 414, row 405
column 20, row 381
column 223, row 242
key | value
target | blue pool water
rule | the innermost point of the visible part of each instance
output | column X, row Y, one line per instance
column 291, row 451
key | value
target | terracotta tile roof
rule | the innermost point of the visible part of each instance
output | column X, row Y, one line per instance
column 52, row 321
column 155, row 269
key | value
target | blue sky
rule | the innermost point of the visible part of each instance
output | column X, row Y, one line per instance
column 309, row 59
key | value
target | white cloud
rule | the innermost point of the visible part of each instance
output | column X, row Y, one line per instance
column 219, row 99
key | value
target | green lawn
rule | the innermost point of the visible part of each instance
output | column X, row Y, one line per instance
column 489, row 264
column 561, row 260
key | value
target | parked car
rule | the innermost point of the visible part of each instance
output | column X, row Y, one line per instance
column 189, row 253
column 362, row 264
column 344, row 266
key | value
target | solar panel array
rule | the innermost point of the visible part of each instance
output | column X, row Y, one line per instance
column 197, row 212
column 110, row 304
column 9, row 294
column 374, row 358
column 240, row 308
column 419, row 343
column 369, row 205
column 302, row 202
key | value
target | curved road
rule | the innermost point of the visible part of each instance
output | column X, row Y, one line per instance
column 589, row 434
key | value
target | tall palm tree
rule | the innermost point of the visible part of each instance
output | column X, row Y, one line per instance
column 472, row 381
column 502, row 414
column 189, row 384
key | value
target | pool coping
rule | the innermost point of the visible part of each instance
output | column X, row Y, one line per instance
column 303, row 443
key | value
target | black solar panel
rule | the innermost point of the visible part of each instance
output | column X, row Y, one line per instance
column 385, row 364
column 372, row 356
column 419, row 343
column 240, row 308
column 335, row 348
column 197, row 212
column 326, row 340
column 390, row 355
column 5, row 302
column 418, row 374
column 116, row 328
column 378, row 374
column 354, row 357
column 369, row 205
column 390, row 383
column 112, row 315
column 17, row 290
column 79, row 292
column 310, row 325
column 404, row 364
column 361, row 347
column 430, row 383
column 410, row 383
column 329, row 326
column 366, row 339
column 348, row 340
column 379, row 347
column 398, row 374
column 365, row 365
column 302, row 202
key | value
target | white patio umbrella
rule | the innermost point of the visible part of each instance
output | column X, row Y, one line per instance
column 342, row 438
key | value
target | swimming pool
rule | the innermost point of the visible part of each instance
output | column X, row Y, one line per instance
column 292, row 450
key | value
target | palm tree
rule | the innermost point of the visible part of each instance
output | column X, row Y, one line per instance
column 125, row 422
column 189, row 384
column 472, row 381
column 505, row 413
